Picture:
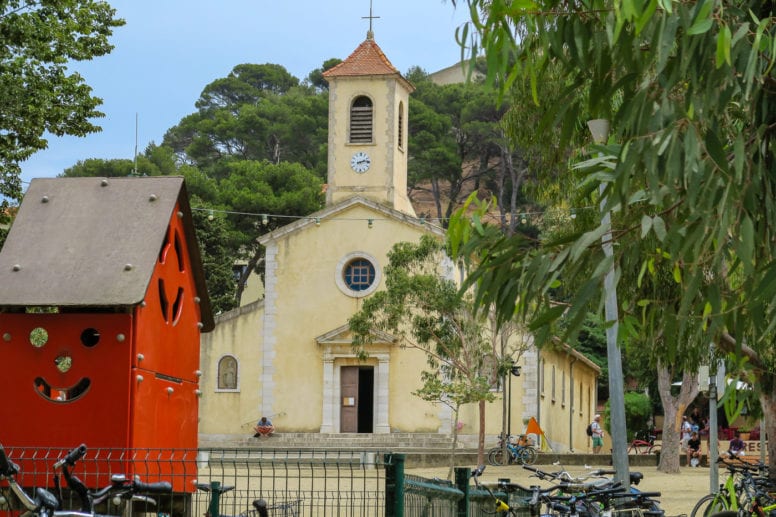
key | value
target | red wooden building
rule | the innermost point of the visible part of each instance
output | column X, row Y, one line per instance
column 102, row 302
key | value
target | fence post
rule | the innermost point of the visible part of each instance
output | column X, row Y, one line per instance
column 215, row 496
column 462, row 483
column 394, row 485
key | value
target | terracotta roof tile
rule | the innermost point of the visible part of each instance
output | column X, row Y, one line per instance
column 367, row 59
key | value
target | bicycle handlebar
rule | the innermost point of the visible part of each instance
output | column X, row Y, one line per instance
column 6, row 466
column 71, row 457
column 159, row 487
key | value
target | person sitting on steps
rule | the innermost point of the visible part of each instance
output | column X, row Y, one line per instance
column 735, row 448
column 264, row 427
column 693, row 450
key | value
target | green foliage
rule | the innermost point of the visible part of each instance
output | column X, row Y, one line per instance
column 38, row 93
column 422, row 308
column 690, row 178
column 638, row 413
column 315, row 78
column 687, row 172
column 217, row 256
column 258, row 113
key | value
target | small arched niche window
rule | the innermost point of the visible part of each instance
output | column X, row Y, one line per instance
column 227, row 373
column 361, row 120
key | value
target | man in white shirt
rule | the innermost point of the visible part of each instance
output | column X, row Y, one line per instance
column 686, row 431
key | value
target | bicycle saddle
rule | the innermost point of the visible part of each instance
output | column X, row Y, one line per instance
column 636, row 477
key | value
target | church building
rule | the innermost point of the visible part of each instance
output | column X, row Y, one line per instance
column 288, row 356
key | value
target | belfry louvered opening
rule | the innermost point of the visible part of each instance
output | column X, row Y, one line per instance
column 361, row 121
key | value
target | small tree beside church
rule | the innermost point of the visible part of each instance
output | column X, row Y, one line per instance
column 421, row 305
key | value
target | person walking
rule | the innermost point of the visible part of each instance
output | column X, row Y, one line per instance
column 597, row 434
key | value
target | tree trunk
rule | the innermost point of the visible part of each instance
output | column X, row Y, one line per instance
column 673, row 409
column 481, row 437
column 768, row 403
column 451, row 469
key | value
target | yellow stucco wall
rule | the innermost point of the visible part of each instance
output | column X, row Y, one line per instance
column 388, row 155
column 307, row 303
column 237, row 333
column 567, row 398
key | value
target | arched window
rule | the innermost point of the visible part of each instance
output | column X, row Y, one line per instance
column 361, row 120
column 227, row 373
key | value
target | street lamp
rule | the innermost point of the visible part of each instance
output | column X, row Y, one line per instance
column 599, row 128
column 513, row 370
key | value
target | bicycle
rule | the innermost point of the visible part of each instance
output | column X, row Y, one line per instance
column 518, row 451
column 260, row 506
column 46, row 504
column 605, row 494
column 566, row 498
column 738, row 494
column 644, row 444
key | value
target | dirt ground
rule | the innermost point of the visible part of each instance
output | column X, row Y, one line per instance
column 679, row 491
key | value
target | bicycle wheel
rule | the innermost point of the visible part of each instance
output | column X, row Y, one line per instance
column 528, row 455
column 710, row 504
column 496, row 456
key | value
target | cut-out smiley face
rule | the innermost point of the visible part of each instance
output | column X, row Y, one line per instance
column 63, row 363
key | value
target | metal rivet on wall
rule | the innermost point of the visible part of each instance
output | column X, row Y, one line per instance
column 152, row 197
column 120, row 338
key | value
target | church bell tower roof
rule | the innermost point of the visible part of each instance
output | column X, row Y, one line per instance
column 367, row 60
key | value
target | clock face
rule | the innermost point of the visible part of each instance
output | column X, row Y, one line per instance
column 360, row 162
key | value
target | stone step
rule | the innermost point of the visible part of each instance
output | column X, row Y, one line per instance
column 395, row 441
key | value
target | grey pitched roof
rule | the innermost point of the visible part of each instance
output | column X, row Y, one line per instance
column 93, row 242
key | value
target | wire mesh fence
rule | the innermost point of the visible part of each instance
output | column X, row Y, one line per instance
column 291, row 483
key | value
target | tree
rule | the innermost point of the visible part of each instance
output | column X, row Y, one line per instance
column 688, row 88
column 39, row 95
column 421, row 307
column 451, row 127
column 251, row 188
column 257, row 112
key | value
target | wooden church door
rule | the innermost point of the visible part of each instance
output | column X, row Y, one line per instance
column 357, row 394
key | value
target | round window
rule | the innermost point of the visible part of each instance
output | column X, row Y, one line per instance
column 358, row 274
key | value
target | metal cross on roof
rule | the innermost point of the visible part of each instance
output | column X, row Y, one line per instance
column 370, row 34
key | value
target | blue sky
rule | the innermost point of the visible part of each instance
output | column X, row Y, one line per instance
column 169, row 50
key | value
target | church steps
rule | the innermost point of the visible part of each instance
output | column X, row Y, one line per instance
column 341, row 441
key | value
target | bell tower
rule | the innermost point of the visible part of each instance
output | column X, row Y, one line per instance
column 368, row 105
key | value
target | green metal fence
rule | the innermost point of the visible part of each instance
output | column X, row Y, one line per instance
column 413, row 496
column 315, row 483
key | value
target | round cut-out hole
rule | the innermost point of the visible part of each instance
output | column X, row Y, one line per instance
column 64, row 363
column 38, row 337
column 90, row 337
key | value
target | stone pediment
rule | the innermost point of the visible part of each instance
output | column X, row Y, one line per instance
column 344, row 336
column 332, row 212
